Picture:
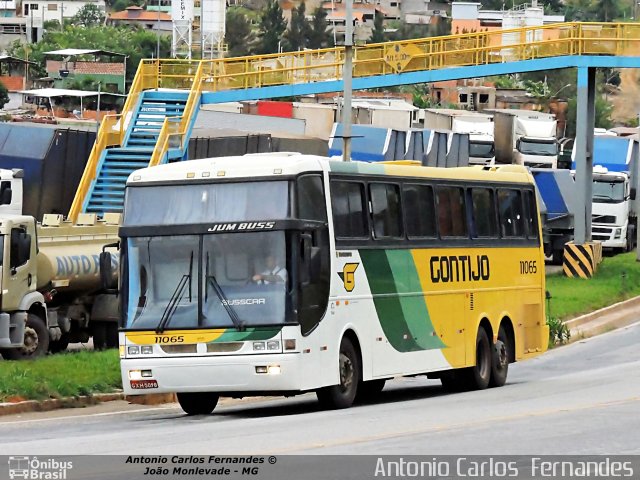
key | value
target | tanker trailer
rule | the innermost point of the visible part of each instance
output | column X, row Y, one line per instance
column 52, row 293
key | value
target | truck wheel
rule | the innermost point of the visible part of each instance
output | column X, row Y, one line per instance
column 557, row 257
column 36, row 340
column 111, row 337
column 343, row 394
column 59, row 345
column 631, row 236
column 99, row 333
column 197, row 403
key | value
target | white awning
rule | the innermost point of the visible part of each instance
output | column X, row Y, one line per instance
column 58, row 92
column 70, row 52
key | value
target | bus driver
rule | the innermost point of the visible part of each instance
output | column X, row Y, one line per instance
column 273, row 272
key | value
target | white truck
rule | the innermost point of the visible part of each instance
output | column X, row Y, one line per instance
column 52, row 291
column 478, row 125
column 615, row 182
column 525, row 137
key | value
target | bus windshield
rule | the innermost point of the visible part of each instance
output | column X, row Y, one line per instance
column 223, row 280
column 205, row 203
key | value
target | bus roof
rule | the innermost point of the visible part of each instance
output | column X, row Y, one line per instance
column 283, row 164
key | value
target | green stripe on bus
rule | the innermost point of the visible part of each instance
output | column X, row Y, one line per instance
column 386, row 301
column 233, row 335
column 412, row 300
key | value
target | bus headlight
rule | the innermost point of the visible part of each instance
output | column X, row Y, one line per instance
column 258, row 345
column 133, row 350
column 147, row 349
column 273, row 345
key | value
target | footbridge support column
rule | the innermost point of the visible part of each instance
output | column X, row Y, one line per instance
column 585, row 123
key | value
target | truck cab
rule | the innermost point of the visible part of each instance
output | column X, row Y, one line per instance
column 11, row 191
column 18, row 281
column 612, row 221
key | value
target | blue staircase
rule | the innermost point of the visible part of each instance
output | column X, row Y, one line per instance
column 117, row 163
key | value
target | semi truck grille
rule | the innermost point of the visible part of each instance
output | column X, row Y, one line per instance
column 601, row 230
column 603, row 218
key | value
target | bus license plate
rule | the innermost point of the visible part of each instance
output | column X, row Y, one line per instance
column 142, row 384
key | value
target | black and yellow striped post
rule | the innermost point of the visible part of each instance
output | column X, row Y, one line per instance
column 581, row 260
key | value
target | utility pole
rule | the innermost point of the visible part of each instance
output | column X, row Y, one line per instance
column 347, row 76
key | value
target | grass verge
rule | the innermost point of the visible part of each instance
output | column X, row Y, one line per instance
column 62, row 375
column 617, row 279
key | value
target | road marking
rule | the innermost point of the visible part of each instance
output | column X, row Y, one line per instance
column 92, row 415
column 447, row 427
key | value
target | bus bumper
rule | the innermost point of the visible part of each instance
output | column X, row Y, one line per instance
column 237, row 373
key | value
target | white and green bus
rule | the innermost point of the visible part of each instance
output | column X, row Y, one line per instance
column 282, row 274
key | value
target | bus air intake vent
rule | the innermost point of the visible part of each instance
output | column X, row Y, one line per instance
column 176, row 349
column 471, row 301
column 224, row 347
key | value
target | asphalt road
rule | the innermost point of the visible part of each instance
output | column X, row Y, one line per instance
column 579, row 399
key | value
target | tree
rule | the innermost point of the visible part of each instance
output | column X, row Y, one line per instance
column 297, row 37
column 607, row 10
column 272, row 26
column 377, row 34
column 4, row 95
column 318, row 37
column 239, row 36
column 88, row 16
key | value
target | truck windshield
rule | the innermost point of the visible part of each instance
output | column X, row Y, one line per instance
column 608, row 192
column 481, row 149
column 239, row 280
column 528, row 146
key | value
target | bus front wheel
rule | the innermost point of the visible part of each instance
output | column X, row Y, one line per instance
column 197, row 403
column 343, row 394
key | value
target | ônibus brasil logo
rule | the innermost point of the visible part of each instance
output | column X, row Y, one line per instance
column 32, row 468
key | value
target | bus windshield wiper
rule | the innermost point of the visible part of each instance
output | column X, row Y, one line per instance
column 176, row 296
column 239, row 324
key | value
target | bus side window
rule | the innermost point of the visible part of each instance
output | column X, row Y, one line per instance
column 484, row 213
column 452, row 218
column 419, row 211
column 511, row 217
column 532, row 214
column 348, row 205
column 385, row 210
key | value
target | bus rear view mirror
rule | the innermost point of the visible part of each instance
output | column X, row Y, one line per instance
column 632, row 193
column 107, row 275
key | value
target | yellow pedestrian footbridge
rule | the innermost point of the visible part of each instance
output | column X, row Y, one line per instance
column 166, row 94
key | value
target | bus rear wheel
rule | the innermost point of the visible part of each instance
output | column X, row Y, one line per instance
column 197, row 403
column 343, row 394
column 500, row 360
column 478, row 376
